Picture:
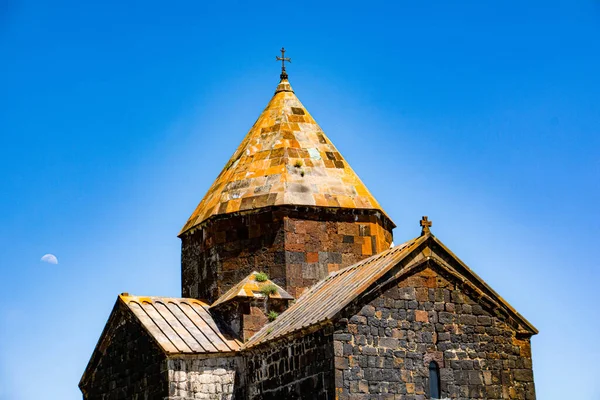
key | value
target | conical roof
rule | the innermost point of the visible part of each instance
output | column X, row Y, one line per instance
column 285, row 159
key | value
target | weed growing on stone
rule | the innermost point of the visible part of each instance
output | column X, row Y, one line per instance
column 261, row 277
column 272, row 315
column 269, row 289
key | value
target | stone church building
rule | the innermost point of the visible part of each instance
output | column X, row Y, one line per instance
column 292, row 289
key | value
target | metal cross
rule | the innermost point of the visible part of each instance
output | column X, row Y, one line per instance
column 283, row 59
column 425, row 224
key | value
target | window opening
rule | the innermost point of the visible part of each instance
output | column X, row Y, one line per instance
column 434, row 380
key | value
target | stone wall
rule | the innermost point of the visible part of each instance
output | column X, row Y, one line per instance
column 296, row 246
column 384, row 349
column 292, row 368
column 317, row 246
column 197, row 377
column 129, row 364
column 227, row 249
column 246, row 316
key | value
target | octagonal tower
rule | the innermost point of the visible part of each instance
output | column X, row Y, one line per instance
column 286, row 203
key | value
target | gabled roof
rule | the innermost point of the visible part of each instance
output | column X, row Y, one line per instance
column 249, row 287
column 326, row 299
column 180, row 325
column 285, row 159
column 175, row 325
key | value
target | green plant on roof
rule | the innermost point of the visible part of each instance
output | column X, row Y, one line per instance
column 298, row 164
column 261, row 277
column 272, row 315
column 302, row 173
column 269, row 330
column 269, row 289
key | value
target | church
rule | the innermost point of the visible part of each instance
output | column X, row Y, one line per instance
column 292, row 289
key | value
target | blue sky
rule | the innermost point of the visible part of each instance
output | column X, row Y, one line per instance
column 115, row 118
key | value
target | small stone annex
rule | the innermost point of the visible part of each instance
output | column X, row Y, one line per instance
column 292, row 289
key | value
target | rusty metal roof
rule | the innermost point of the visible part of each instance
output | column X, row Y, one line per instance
column 250, row 287
column 327, row 298
column 285, row 159
column 180, row 325
column 324, row 300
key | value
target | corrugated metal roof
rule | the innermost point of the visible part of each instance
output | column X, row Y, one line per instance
column 180, row 325
column 324, row 300
column 250, row 287
column 285, row 159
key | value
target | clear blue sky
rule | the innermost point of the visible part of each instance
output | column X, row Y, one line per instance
column 115, row 118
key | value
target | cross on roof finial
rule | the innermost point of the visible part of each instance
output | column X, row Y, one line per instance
column 425, row 224
column 283, row 59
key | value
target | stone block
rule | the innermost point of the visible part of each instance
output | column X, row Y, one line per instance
column 523, row 375
column 421, row 316
column 407, row 293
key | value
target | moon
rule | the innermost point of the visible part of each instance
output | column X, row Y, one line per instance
column 49, row 258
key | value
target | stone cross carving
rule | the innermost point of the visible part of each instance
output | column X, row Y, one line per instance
column 283, row 59
column 425, row 224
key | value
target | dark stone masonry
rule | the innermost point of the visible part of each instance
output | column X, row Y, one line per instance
column 296, row 246
column 129, row 363
column 299, row 367
column 384, row 350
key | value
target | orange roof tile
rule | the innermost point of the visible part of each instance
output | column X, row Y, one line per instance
column 285, row 159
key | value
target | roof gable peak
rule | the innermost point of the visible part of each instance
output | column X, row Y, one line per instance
column 253, row 286
column 326, row 300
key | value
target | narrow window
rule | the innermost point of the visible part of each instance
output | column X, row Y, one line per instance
column 434, row 380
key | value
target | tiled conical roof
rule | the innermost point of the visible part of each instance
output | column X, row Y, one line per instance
column 285, row 159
